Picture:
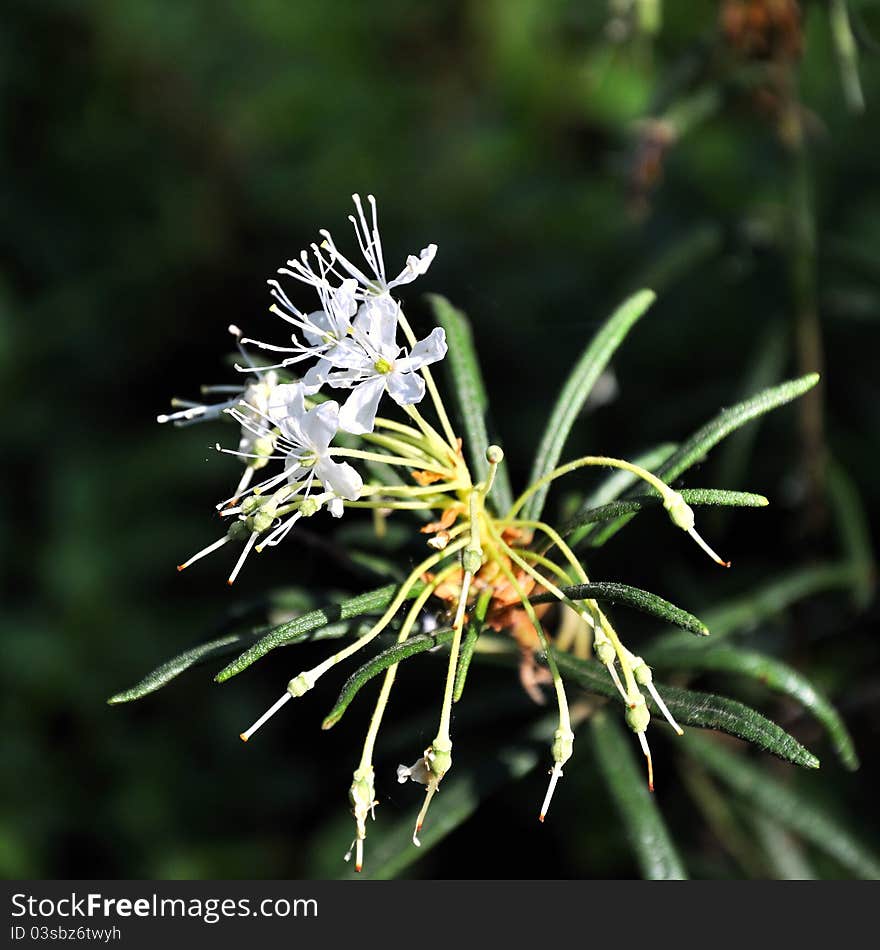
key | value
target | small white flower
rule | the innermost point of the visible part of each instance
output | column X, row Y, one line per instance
column 370, row 362
column 322, row 329
column 306, row 435
column 374, row 283
column 370, row 244
column 255, row 445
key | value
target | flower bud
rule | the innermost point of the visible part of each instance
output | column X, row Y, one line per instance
column 680, row 512
column 494, row 454
column 637, row 715
column 300, row 684
column 472, row 560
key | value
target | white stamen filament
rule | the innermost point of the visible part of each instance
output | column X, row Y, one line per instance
column 429, row 794
column 647, row 751
column 612, row 672
column 205, row 551
column 270, row 712
column 663, row 708
column 555, row 776
column 707, row 549
column 240, row 563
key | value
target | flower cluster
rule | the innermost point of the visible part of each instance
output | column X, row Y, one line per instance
column 493, row 565
column 352, row 344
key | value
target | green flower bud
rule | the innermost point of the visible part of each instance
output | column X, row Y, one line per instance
column 262, row 520
column 637, row 715
column 680, row 512
column 472, row 560
column 309, row 507
column 605, row 652
column 642, row 672
column 238, row 531
column 563, row 745
column 300, row 684
column 494, row 454
column 439, row 757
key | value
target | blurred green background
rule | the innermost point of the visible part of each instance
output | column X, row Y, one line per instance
column 161, row 159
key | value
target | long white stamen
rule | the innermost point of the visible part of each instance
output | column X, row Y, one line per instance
column 240, row 563
column 203, row 553
column 645, row 748
column 663, row 708
column 612, row 671
column 377, row 241
column 555, row 776
column 693, row 533
column 270, row 712
column 429, row 794
column 279, row 533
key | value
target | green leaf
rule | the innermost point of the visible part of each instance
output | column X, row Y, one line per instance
column 774, row 674
column 222, row 646
column 786, row 806
column 706, row 438
column 656, row 854
column 633, row 597
column 179, row 664
column 576, row 390
column 397, row 653
column 704, row 710
column 465, row 657
column 297, row 630
column 470, row 395
column 693, row 496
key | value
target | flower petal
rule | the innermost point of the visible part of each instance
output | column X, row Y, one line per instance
column 320, row 424
column 285, row 401
column 429, row 350
column 405, row 388
column 415, row 266
column 340, row 477
column 358, row 414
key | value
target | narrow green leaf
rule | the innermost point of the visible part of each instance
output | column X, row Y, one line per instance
column 633, row 597
column 222, row 646
column 298, row 629
column 706, row 438
column 774, row 674
column 577, row 388
column 765, row 368
column 464, row 660
column 729, row 420
column 179, row 664
column 397, row 653
column 657, row 856
column 693, row 496
column 704, row 710
column 786, row 806
column 469, row 391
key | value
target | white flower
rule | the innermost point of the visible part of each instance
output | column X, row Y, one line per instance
column 370, row 363
column 305, row 436
column 374, row 283
column 255, row 445
column 323, row 328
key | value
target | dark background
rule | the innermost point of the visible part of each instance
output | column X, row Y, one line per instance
column 161, row 159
